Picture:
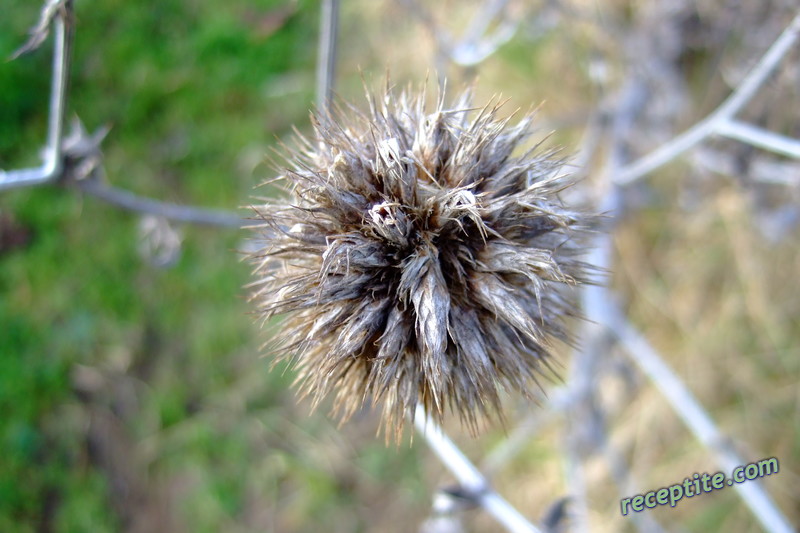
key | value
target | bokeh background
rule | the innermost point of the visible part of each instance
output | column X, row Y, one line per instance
column 133, row 394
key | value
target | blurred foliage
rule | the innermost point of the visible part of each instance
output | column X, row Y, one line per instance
column 99, row 350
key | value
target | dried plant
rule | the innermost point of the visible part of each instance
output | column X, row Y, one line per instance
column 417, row 259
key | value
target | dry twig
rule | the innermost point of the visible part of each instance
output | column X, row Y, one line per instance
column 470, row 477
column 326, row 59
column 720, row 121
column 58, row 13
column 694, row 416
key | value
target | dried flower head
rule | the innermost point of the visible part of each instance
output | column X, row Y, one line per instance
column 417, row 260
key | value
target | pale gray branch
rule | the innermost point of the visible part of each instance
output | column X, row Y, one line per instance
column 326, row 58
column 51, row 10
column 765, row 139
column 469, row 476
column 477, row 44
column 82, row 150
column 575, row 477
column 695, row 417
column 761, row 168
column 480, row 23
column 58, row 13
column 181, row 213
column 724, row 113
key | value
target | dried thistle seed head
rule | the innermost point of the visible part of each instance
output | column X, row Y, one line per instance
column 416, row 259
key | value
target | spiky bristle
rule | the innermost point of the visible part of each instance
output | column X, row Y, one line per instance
column 417, row 259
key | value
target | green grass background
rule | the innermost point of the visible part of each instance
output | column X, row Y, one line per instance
column 132, row 397
column 196, row 92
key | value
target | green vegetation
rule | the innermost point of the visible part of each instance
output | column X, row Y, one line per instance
column 100, row 351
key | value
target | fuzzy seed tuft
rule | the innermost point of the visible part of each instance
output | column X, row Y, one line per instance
column 416, row 259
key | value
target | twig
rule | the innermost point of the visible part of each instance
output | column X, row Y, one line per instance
column 60, row 14
column 694, row 416
column 620, row 471
column 575, row 476
column 326, row 59
column 479, row 24
column 557, row 402
column 83, row 150
column 475, row 46
column 763, row 168
column 721, row 116
column 747, row 133
column 469, row 476
column 181, row 213
column 38, row 34
column 585, row 428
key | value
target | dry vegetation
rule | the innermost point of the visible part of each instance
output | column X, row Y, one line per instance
column 705, row 254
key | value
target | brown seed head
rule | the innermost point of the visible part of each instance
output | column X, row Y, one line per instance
column 416, row 259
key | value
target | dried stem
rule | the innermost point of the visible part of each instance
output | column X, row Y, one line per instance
column 716, row 122
column 747, row 133
column 694, row 416
column 58, row 13
column 599, row 305
column 477, row 43
column 181, row 213
column 470, row 477
column 598, row 302
column 326, row 59
column 761, row 168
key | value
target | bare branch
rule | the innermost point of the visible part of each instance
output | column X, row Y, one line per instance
column 620, row 471
column 762, row 168
column 558, row 401
column 767, row 140
column 480, row 23
column 60, row 14
column 37, row 35
column 470, row 477
column 477, row 44
column 723, row 114
column 575, row 476
column 76, row 159
column 326, row 59
column 182, row 213
column 695, row 417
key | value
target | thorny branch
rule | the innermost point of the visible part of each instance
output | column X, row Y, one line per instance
column 180, row 213
column 83, row 170
column 75, row 160
column 51, row 10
